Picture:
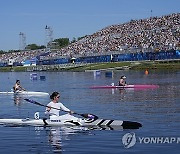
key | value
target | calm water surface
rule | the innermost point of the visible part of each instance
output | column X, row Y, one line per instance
column 157, row 109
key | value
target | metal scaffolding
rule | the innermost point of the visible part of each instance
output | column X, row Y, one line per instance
column 48, row 36
column 22, row 41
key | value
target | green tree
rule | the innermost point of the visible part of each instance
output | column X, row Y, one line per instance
column 34, row 47
column 79, row 38
column 1, row 52
column 62, row 42
column 73, row 40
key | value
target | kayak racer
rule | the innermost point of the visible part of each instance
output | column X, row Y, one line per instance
column 17, row 87
column 51, row 109
column 122, row 81
column 88, row 120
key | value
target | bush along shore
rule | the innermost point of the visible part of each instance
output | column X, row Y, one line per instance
column 138, row 65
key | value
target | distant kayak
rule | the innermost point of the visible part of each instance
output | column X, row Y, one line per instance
column 140, row 86
column 23, row 93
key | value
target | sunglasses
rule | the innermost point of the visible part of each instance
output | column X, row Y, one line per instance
column 58, row 97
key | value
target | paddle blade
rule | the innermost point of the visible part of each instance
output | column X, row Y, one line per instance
column 131, row 125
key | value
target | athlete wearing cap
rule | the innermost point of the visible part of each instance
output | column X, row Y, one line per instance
column 122, row 81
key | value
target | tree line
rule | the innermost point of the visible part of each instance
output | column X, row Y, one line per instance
column 55, row 44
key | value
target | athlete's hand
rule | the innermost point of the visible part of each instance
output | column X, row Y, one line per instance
column 71, row 112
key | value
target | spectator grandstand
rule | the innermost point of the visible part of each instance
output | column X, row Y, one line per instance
column 137, row 36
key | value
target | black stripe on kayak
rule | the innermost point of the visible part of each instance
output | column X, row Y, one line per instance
column 74, row 122
column 110, row 128
column 106, row 127
column 101, row 122
column 44, row 120
column 110, row 122
column 131, row 125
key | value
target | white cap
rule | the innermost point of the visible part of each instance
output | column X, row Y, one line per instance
column 123, row 77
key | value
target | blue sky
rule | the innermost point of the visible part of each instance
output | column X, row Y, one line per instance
column 71, row 18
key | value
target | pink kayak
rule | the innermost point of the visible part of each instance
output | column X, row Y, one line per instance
column 140, row 86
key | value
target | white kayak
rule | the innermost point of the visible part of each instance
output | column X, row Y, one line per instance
column 23, row 93
column 69, row 120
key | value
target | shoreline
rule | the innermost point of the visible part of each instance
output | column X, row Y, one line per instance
column 83, row 67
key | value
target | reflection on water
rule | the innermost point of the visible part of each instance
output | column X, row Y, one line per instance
column 57, row 135
column 18, row 99
column 55, row 138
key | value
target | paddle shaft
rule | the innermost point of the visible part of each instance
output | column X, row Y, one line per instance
column 37, row 103
column 83, row 115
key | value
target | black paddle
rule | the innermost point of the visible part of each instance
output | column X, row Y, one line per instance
column 85, row 115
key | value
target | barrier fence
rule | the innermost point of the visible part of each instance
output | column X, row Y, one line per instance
column 161, row 55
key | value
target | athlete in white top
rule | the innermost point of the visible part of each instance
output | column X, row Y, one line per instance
column 55, row 104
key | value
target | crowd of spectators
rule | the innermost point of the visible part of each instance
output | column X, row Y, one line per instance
column 20, row 56
column 154, row 33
